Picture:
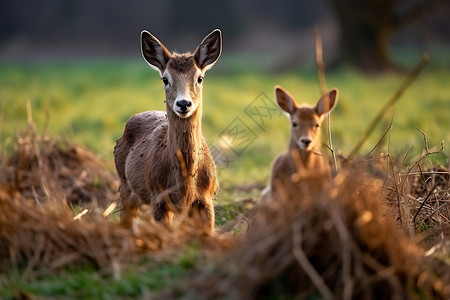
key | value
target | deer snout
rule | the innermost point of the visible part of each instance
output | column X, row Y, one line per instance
column 183, row 105
column 304, row 143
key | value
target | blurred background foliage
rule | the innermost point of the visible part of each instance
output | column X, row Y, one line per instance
column 359, row 32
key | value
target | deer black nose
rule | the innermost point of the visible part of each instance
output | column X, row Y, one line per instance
column 184, row 104
column 306, row 142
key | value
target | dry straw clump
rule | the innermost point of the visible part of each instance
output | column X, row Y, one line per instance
column 49, row 237
column 42, row 168
column 340, row 245
column 38, row 229
column 420, row 199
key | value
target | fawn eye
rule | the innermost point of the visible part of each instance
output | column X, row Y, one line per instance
column 165, row 80
column 294, row 125
column 317, row 125
column 200, row 79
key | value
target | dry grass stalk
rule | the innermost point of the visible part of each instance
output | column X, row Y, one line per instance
column 390, row 103
column 320, row 65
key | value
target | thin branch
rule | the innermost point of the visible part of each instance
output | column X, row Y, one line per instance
column 382, row 137
column 346, row 242
column 423, row 203
column 406, row 155
column 29, row 112
column 388, row 156
column 323, row 86
column 417, row 162
column 398, row 191
column 2, row 114
column 303, row 261
column 427, row 152
column 319, row 61
column 425, row 173
column 424, row 139
column 411, row 77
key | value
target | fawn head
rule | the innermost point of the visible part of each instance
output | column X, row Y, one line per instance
column 182, row 74
column 306, row 120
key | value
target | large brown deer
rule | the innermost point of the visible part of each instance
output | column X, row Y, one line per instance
column 302, row 170
column 162, row 158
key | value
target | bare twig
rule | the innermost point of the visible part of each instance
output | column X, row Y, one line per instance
column 346, row 243
column 382, row 137
column 398, row 191
column 406, row 155
column 411, row 77
column 29, row 113
column 416, row 163
column 323, row 86
column 302, row 259
column 2, row 112
column 427, row 153
column 387, row 273
column 424, row 173
column 423, row 203
column 319, row 61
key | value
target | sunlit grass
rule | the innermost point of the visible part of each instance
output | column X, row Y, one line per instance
column 88, row 283
column 88, row 102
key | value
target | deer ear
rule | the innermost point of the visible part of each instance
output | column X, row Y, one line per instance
column 209, row 50
column 154, row 52
column 285, row 100
column 328, row 102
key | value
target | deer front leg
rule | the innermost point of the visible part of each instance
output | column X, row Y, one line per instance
column 202, row 212
column 162, row 214
column 130, row 206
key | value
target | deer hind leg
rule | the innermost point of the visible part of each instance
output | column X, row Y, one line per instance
column 203, row 213
column 129, row 206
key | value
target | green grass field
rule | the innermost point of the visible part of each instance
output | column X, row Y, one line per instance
column 88, row 103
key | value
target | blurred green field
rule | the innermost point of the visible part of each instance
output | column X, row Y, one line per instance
column 89, row 101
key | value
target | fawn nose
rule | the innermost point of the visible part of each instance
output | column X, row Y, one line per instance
column 184, row 104
column 306, row 142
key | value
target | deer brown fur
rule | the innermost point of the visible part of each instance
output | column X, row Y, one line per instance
column 162, row 158
column 302, row 170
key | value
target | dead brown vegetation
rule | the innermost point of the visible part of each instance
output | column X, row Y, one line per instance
column 44, row 168
column 347, row 243
column 38, row 229
column 339, row 245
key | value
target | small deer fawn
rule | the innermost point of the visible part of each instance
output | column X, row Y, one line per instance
column 162, row 158
column 302, row 169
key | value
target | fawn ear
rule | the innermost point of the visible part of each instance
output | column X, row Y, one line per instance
column 154, row 52
column 285, row 100
column 328, row 102
column 209, row 50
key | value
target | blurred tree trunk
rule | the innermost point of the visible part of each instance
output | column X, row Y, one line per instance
column 367, row 25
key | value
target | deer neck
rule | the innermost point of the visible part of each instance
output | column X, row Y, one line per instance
column 302, row 158
column 185, row 140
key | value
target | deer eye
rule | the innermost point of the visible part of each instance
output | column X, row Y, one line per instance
column 317, row 125
column 200, row 79
column 165, row 80
column 294, row 125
